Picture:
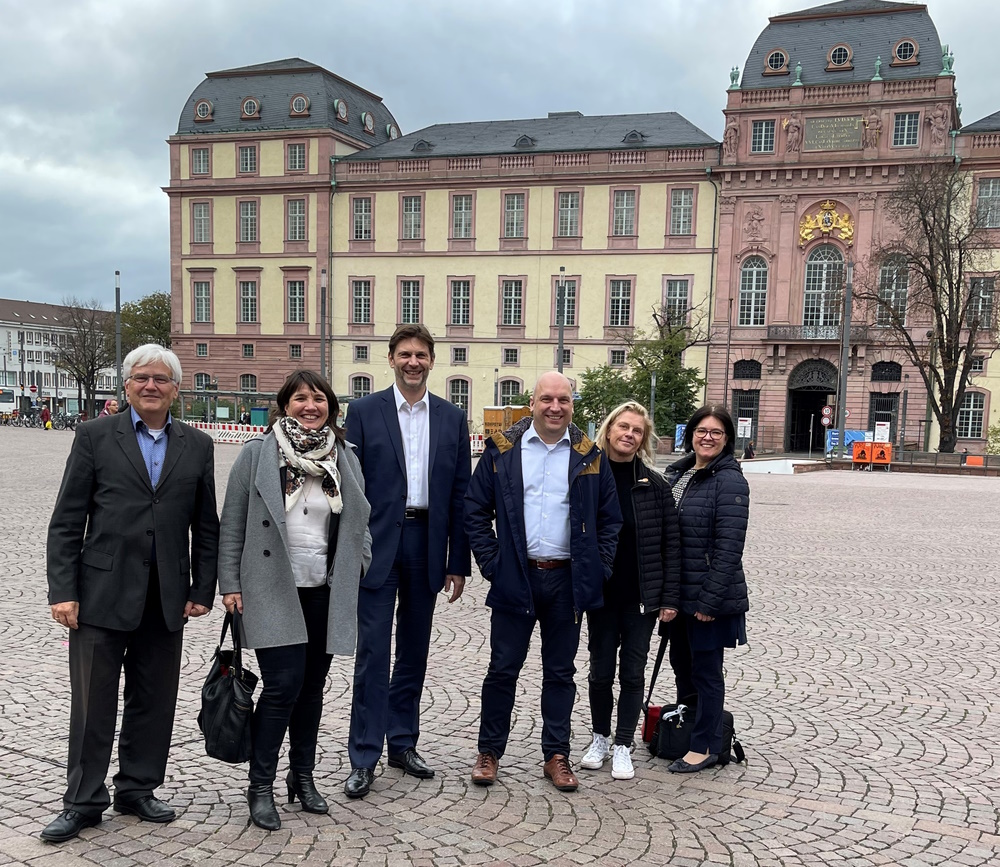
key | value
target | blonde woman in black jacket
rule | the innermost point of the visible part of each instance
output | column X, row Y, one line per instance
column 644, row 587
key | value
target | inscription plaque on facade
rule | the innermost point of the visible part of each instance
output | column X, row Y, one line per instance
column 833, row 133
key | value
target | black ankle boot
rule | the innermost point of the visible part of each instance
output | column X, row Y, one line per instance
column 263, row 813
column 301, row 784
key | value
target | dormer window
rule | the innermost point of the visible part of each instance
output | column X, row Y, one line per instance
column 299, row 106
column 634, row 137
column 905, row 53
column 202, row 111
column 525, row 141
column 340, row 107
column 250, row 109
column 839, row 58
column 368, row 120
column 422, row 146
column 392, row 131
column 777, row 62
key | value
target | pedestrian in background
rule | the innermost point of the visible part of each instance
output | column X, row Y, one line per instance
column 46, row 418
column 110, row 408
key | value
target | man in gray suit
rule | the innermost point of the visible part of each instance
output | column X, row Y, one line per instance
column 132, row 550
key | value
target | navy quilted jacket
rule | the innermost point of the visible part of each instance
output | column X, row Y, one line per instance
column 713, row 517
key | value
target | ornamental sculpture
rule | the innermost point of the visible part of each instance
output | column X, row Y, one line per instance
column 826, row 221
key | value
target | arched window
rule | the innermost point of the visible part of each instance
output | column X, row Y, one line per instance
column 248, row 382
column 893, row 283
column 753, row 291
column 887, row 371
column 824, row 288
column 971, row 415
column 202, row 381
column 360, row 386
column 746, row 369
column 509, row 389
column 458, row 393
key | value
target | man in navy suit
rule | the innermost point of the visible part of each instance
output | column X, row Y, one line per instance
column 415, row 455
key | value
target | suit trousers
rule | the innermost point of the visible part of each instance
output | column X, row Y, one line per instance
column 151, row 657
column 510, row 637
column 294, row 678
column 387, row 710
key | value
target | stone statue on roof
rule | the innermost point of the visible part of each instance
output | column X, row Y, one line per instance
column 731, row 138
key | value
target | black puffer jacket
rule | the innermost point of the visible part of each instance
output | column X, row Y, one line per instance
column 657, row 541
column 713, row 517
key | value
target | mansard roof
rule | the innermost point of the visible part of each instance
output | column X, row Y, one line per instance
column 274, row 84
column 560, row 132
column 871, row 28
column 991, row 123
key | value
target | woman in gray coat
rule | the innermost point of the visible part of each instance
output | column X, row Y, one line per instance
column 293, row 546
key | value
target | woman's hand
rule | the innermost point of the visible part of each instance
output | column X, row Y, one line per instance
column 704, row 618
column 667, row 614
column 233, row 600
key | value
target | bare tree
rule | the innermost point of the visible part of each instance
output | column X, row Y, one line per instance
column 922, row 291
column 88, row 349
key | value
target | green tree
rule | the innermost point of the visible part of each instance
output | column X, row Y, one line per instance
column 522, row 399
column 145, row 321
column 88, row 350
column 601, row 390
column 993, row 440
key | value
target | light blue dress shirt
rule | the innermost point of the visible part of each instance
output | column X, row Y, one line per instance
column 153, row 448
column 545, row 472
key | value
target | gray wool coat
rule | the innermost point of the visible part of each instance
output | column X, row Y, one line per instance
column 253, row 551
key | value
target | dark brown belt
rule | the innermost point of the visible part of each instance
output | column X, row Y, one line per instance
column 548, row 564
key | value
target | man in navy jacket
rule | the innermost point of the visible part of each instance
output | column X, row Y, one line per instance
column 553, row 496
column 415, row 454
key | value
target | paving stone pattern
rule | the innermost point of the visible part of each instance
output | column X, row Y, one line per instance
column 866, row 701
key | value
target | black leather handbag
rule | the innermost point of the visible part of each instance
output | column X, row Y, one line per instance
column 227, row 700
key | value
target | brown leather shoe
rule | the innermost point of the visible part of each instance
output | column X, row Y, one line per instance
column 558, row 770
column 485, row 771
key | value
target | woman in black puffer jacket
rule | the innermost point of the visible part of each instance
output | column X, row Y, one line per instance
column 713, row 501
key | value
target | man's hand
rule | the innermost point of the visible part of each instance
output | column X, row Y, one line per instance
column 233, row 600
column 704, row 618
column 454, row 584
column 66, row 613
column 667, row 614
column 193, row 609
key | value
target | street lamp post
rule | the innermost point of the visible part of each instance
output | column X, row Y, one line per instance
column 322, row 323
column 845, row 357
column 118, row 337
column 560, row 314
column 496, row 386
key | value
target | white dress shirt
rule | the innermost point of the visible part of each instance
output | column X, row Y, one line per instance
column 414, row 429
column 545, row 472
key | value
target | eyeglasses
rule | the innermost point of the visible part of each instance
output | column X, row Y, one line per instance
column 143, row 378
column 709, row 434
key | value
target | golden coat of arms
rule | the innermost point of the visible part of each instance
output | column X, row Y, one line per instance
column 825, row 221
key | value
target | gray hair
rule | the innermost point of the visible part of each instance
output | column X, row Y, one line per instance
column 152, row 353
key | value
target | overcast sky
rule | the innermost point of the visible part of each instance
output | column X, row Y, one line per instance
column 90, row 90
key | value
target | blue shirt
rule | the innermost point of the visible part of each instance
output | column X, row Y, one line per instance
column 153, row 448
column 545, row 473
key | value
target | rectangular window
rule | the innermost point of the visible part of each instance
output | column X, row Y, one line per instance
column 248, row 159
column 620, row 311
column 248, row 300
column 676, row 302
column 569, row 303
column 513, row 215
column 980, row 309
column 409, row 301
column 412, row 218
column 458, row 393
column 459, row 355
column 201, row 223
column 361, row 352
column 762, row 137
column 296, row 219
column 248, row 350
column 681, row 211
column 361, row 386
column 905, row 129
column 296, row 300
column 461, row 302
column 624, row 215
column 202, row 301
column 567, row 358
column 248, row 222
column 511, row 299
column 199, row 161
column 978, row 364
column 509, row 389
column 569, row 215
column 510, row 355
column 201, row 350
column 361, row 301
column 363, row 218
column 461, row 216
column 970, row 416
column 296, row 158
column 989, row 203
column 295, row 350
column 617, row 357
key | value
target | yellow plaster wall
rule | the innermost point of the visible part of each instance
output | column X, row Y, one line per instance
column 271, row 158
column 224, row 160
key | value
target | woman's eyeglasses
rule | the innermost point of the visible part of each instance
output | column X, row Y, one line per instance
column 708, row 434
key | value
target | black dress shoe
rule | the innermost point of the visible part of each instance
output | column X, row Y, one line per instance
column 67, row 825
column 302, row 784
column 263, row 813
column 679, row 766
column 147, row 807
column 411, row 763
column 359, row 783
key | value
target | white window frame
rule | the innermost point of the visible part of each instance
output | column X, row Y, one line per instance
column 409, row 302
column 247, row 164
column 568, row 225
column 512, row 302
column 248, row 301
column 461, row 302
column 296, row 219
column 969, row 424
column 461, row 398
column 675, row 300
column 762, row 137
column 361, row 386
column 248, row 222
column 682, row 211
column 906, row 129
column 201, row 223
column 361, row 302
column 753, row 291
column 298, row 164
column 461, row 216
column 202, row 301
column 412, row 218
column 623, row 221
column 988, row 203
column 620, row 304
column 362, row 207
column 296, row 300
column 200, row 161
column 514, row 205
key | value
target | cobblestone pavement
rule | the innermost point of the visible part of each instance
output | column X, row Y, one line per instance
column 866, row 700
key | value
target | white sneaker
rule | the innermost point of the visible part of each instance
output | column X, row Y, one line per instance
column 597, row 754
column 621, row 763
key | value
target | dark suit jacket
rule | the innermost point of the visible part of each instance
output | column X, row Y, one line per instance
column 373, row 427
column 106, row 516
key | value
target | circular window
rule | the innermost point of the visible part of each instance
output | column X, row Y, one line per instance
column 839, row 56
column 203, row 109
column 341, row 109
column 369, row 121
column 776, row 61
column 905, row 50
column 250, row 107
column 392, row 132
column 299, row 104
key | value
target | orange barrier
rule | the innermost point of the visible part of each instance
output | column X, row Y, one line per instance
column 975, row 461
column 881, row 454
column 862, row 453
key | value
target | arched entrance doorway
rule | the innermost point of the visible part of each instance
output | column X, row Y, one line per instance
column 810, row 387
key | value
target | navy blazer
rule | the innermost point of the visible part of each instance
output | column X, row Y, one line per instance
column 373, row 427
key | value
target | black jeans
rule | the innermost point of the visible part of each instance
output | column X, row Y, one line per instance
column 294, row 677
column 618, row 625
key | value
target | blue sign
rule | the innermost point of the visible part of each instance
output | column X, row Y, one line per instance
column 850, row 436
column 679, row 437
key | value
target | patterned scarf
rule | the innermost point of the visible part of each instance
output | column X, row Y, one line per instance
column 308, row 452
